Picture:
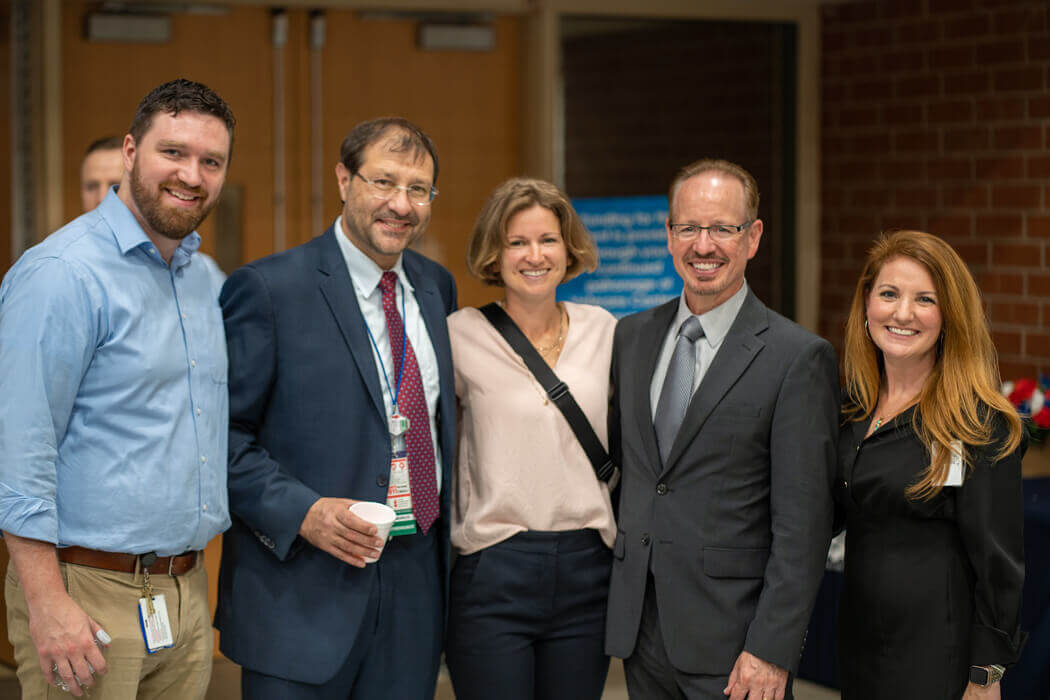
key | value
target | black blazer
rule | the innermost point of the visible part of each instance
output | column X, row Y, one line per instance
column 307, row 420
column 932, row 586
column 735, row 526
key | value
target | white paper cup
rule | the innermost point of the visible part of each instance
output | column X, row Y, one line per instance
column 380, row 515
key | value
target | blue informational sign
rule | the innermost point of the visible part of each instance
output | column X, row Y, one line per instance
column 636, row 271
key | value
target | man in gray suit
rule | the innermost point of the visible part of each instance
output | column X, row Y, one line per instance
column 724, row 424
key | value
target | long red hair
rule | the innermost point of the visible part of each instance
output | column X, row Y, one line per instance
column 960, row 399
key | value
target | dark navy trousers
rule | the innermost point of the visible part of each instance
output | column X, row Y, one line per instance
column 398, row 647
column 527, row 618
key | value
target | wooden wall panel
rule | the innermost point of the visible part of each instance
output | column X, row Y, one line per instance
column 5, row 144
column 468, row 102
column 103, row 82
column 7, row 654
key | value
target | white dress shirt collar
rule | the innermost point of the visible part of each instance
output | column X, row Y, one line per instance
column 364, row 272
column 716, row 322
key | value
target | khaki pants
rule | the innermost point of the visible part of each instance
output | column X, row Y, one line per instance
column 111, row 599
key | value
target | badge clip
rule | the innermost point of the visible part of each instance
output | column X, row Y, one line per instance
column 398, row 424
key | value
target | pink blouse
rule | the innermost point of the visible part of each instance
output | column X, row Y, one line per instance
column 519, row 466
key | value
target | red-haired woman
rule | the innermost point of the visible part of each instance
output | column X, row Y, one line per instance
column 930, row 484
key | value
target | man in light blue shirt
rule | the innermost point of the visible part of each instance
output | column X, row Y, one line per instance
column 101, row 170
column 113, row 428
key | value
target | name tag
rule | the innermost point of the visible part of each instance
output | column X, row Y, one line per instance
column 955, row 464
column 399, row 496
column 156, row 629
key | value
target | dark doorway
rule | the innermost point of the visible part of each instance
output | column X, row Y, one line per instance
column 644, row 98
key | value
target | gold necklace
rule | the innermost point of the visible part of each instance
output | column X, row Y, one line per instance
column 890, row 415
column 561, row 335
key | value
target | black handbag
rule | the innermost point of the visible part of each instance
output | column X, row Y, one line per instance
column 555, row 388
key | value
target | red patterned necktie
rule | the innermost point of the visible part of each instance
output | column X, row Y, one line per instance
column 412, row 403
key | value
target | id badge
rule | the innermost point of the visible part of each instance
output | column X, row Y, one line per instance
column 156, row 630
column 955, row 464
column 399, row 496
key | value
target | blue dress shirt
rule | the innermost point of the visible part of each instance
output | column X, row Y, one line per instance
column 113, row 421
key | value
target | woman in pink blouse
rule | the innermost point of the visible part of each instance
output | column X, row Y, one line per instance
column 531, row 522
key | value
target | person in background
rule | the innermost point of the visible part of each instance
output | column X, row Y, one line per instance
column 101, row 170
column 113, row 423
column 726, row 413
column 929, row 482
column 532, row 523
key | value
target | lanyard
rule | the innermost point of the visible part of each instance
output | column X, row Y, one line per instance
column 394, row 393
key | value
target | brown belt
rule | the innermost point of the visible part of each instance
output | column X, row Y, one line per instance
column 114, row 561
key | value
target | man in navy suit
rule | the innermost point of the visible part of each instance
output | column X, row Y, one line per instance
column 340, row 372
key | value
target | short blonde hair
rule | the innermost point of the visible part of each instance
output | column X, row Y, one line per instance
column 517, row 194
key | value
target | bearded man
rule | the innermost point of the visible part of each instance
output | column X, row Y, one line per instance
column 102, row 169
column 113, row 427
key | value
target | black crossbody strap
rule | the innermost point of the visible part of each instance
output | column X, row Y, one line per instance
column 556, row 390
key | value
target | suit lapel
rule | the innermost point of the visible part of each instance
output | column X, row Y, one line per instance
column 738, row 350
column 432, row 309
column 651, row 339
column 338, row 292
column 434, row 313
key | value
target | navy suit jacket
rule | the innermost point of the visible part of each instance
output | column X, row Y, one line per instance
column 307, row 420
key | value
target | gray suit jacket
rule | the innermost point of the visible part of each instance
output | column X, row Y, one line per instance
column 735, row 526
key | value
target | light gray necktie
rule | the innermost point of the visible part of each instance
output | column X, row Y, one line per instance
column 678, row 386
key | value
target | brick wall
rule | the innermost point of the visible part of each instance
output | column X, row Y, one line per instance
column 936, row 116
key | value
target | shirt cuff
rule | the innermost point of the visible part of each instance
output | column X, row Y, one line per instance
column 990, row 645
column 32, row 518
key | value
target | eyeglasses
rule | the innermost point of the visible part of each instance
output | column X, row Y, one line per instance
column 723, row 233
column 384, row 189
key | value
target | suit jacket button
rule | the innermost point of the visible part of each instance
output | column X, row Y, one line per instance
column 661, row 489
column 645, row 540
column 382, row 480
